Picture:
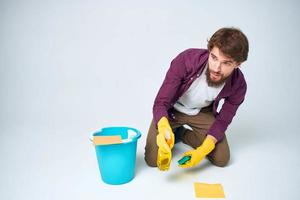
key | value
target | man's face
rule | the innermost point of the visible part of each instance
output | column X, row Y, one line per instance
column 219, row 67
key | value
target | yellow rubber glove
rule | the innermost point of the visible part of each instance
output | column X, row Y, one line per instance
column 165, row 142
column 165, row 137
column 198, row 154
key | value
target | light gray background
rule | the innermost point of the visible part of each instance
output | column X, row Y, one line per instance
column 68, row 68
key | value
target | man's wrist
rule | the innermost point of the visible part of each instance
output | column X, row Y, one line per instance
column 213, row 138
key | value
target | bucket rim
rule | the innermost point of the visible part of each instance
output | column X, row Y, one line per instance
column 135, row 138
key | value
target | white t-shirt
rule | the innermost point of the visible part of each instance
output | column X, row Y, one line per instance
column 199, row 95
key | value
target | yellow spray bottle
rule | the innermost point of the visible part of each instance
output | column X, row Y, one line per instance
column 163, row 157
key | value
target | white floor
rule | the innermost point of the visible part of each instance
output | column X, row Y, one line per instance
column 62, row 165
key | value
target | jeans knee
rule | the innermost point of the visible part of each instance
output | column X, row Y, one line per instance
column 150, row 161
column 150, row 156
column 223, row 162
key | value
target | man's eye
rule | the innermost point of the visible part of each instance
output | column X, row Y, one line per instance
column 228, row 63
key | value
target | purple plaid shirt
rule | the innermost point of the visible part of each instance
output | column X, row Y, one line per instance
column 184, row 69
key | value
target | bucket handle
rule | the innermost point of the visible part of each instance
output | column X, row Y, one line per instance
column 91, row 138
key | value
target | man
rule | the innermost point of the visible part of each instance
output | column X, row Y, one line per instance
column 195, row 84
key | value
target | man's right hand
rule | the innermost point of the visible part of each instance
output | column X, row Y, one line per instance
column 165, row 137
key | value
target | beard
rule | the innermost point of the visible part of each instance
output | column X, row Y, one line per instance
column 213, row 83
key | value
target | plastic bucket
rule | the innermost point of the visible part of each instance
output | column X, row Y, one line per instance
column 116, row 162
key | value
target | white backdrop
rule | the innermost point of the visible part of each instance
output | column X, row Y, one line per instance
column 68, row 68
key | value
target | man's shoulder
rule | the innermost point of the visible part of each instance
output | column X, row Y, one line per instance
column 238, row 78
column 194, row 52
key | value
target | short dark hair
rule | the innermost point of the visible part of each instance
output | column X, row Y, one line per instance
column 232, row 42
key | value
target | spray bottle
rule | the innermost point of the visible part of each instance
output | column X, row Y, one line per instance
column 164, row 158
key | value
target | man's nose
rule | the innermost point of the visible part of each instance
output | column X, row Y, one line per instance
column 217, row 67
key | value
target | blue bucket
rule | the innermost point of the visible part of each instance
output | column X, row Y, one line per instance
column 116, row 162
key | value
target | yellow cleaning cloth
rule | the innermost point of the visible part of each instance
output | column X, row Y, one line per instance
column 204, row 190
column 103, row 140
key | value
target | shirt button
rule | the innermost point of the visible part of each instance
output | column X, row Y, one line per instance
column 198, row 75
column 191, row 78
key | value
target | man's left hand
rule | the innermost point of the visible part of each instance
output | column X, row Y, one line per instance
column 198, row 154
